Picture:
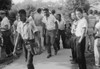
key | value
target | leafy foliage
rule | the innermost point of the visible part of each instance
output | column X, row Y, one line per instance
column 5, row 4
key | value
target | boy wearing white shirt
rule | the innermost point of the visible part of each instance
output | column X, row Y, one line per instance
column 80, row 33
column 5, row 29
column 97, row 44
column 27, row 30
column 61, row 31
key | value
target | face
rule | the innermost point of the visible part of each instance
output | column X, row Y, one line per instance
column 22, row 17
column 17, row 17
column 58, row 17
column 73, row 16
column 79, row 15
column 2, row 15
column 46, row 13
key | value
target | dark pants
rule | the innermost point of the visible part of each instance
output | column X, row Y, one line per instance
column 7, row 44
column 29, row 53
column 81, row 53
column 73, row 47
column 62, row 34
column 50, row 40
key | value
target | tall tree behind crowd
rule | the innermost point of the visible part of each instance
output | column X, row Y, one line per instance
column 5, row 4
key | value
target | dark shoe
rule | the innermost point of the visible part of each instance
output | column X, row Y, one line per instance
column 56, row 52
column 73, row 62
column 49, row 56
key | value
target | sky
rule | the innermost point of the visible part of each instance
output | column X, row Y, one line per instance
column 20, row 1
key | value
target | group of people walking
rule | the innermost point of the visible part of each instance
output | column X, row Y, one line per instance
column 44, row 28
column 41, row 29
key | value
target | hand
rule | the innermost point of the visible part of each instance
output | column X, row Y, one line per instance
column 79, row 41
column 14, row 53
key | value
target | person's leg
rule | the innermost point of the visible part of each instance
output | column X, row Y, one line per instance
column 99, row 52
column 57, row 40
column 87, row 43
column 96, row 52
column 62, row 33
column 81, row 54
column 82, row 60
column 91, row 43
column 48, row 44
column 52, row 41
column 25, row 52
column 5, row 43
column 30, row 61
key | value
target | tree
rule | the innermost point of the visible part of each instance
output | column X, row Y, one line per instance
column 5, row 4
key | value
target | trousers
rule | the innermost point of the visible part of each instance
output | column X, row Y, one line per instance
column 80, row 49
column 29, row 53
column 50, row 40
column 97, row 51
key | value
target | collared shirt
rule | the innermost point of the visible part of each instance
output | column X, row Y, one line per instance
column 73, row 28
column 27, row 30
column 5, row 22
column 38, row 19
column 61, row 24
column 82, row 23
column 49, row 22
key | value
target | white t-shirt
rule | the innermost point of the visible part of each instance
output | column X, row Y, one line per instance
column 38, row 19
column 49, row 22
column 19, row 27
column 82, row 23
column 97, row 26
column 5, row 22
column 61, row 24
column 73, row 28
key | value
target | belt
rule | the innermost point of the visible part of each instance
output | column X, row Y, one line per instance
column 27, row 40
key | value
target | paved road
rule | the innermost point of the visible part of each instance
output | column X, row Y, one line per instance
column 60, row 61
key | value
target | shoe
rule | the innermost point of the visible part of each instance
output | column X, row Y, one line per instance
column 55, row 52
column 49, row 56
column 73, row 62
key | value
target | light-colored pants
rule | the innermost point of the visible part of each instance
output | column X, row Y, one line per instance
column 91, row 41
column 97, row 51
column 39, row 37
column 90, row 38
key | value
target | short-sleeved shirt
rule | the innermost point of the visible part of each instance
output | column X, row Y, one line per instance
column 38, row 19
column 91, row 20
column 49, row 22
column 5, row 22
column 61, row 24
column 73, row 28
column 82, row 23
column 19, row 27
column 27, row 30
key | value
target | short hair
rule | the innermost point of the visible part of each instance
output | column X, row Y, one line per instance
column 39, row 10
column 70, row 14
column 53, row 11
column 79, row 9
column 95, row 11
column 46, row 9
column 91, row 11
column 22, row 11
